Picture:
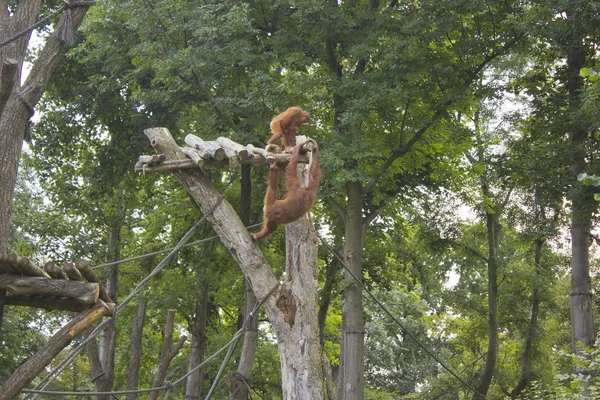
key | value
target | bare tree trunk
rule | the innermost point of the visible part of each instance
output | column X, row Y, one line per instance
column 582, row 205
column 135, row 356
column 525, row 377
column 195, row 381
column 493, row 230
column 239, row 381
column 326, row 293
column 352, row 371
column 292, row 307
column 102, row 357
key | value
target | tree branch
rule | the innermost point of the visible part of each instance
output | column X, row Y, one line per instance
column 50, row 58
column 337, row 207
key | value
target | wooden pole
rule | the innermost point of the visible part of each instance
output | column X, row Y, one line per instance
column 36, row 363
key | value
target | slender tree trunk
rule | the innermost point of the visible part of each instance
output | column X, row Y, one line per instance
column 198, row 344
column 492, row 352
column 135, row 356
column 351, row 376
column 525, row 377
column 582, row 323
column 103, row 362
column 167, row 353
column 326, row 293
column 239, row 381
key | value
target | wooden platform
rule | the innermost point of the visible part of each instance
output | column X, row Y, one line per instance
column 222, row 152
column 75, row 287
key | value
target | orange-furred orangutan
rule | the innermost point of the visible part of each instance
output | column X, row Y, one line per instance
column 285, row 124
column 298, row 200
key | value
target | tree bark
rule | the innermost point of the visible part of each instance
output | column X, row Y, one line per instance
column 352, row 371
column 239, row 381
column 525, row 377
column 195, row 381
column 167, row 353
column 326, row 293
column 296, row 328
column 36, row 363
column 19, row 106
column 493, row 231
column 582, row 205
column 102, row 357
column 135, row 356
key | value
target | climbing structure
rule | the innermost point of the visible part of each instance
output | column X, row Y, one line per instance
column 221, row 152
column 75, row 287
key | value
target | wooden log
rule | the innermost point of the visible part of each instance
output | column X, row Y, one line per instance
column 72, row 272
column 84, row 268
column 233, row 149
column 84, row 292
column 261, row 154
column 152, row 159
column 193, row 155
column 178, row 165
column 6, row 267
column 32, row 269
column 208, row 150
column 36, row 363
column 47, row 303
column 54, row 271
column 25, row 266
column 167, row 166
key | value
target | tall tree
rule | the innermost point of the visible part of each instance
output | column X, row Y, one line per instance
column 567, row 42
column 17, row 101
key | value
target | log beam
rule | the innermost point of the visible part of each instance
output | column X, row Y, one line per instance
column 83, row 292
column 36, row 363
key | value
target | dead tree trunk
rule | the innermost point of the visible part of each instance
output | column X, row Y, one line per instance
column 196, row 380
column 292, row 309
column 36, row 363
column 238, row 383
column 168, row 352
column 135, row 356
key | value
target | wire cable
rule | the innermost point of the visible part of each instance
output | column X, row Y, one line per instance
column 71, row 357
column 410, row 334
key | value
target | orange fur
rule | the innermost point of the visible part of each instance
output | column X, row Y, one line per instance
column 285, row 124
column 298, row 200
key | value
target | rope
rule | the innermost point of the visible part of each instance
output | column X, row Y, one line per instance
column 57, row 393
column 410, row 334
column 237, row 335
column 71, row 357
column 222, row 369
column 46, row 19
column 165, row 250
